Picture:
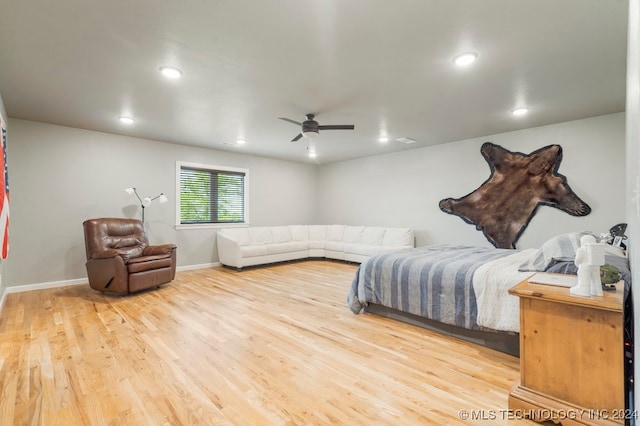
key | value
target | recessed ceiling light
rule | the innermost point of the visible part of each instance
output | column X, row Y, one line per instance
column 465, row 59
column 518, row 112
column 171, row 72
column 241, row 141
column 126, row 120
column 383, row 139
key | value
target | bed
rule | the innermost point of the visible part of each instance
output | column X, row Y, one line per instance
column 463, row 290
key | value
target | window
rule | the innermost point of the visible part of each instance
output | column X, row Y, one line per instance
column 211, row 194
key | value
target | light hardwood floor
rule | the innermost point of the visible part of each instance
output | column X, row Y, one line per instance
column 267, row 346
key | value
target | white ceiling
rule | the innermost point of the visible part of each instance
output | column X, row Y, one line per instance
column 384, row 66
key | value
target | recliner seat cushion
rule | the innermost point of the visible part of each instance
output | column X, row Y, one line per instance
column 148, row 263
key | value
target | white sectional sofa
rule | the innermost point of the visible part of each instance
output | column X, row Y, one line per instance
column 240, row 247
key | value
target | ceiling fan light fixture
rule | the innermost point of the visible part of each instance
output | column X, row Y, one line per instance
column 311, row 129
column 311, row 149
column 310, row 135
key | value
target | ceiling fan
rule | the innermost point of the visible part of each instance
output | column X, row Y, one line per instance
column 311, row 128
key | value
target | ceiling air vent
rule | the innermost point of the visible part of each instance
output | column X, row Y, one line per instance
column 405, row 140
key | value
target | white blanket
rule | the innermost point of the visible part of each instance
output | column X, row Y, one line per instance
column 497, row 309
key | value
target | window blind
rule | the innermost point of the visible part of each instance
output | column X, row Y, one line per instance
column 211, row 196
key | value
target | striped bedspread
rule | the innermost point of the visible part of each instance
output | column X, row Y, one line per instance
column 435, row 282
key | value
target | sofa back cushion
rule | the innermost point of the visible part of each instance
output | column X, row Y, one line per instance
column 373, row 235
column 398, row 237
column 281, row 234
column 240, row 235
column 260, row 235
column 299, row 233
column 317, row 232
column 335, row 232
column 352, row 234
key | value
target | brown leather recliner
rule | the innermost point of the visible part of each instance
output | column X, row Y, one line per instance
column 120, row 259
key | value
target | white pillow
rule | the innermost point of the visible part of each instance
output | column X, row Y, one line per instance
column 615, row 251
column 562, row 247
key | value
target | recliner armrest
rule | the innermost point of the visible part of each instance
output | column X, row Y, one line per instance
column 106, row 254
column 160, row 249
column 125, row 253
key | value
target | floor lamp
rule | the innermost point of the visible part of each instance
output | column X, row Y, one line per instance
column 146, row 201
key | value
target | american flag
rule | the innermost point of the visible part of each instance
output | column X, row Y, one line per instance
column 4, row 196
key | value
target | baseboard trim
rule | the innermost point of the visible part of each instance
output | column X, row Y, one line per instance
column 2, row 298
column 80, row 281
column 44, row 286
column 200, row 266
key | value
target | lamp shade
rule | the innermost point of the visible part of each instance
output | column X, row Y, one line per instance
column 130, row 191
column 162, row 199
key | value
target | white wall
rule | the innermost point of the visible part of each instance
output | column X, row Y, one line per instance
column 61, row 176
column 404, row 189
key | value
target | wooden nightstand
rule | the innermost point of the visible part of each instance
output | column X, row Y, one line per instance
column 571, row 356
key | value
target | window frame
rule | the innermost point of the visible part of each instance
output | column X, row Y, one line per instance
column 213, row 168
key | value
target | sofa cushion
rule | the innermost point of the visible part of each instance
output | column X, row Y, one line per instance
column 299, row 245
column 299, row 232
column 317, row 232
column 281, row 234
column 334, row 245
column 317, row 244
column 277, row 248
column 352, row 234
column 291, row 247
column 335, row 232
column 260, row 235
column 361, row 249
column 240, row 235
column 398, row 237
column 373, row 235
column 254, row 250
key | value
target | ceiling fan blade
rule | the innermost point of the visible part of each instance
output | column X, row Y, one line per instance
column 297, row 137
column 337, row 127
column 290, row 121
